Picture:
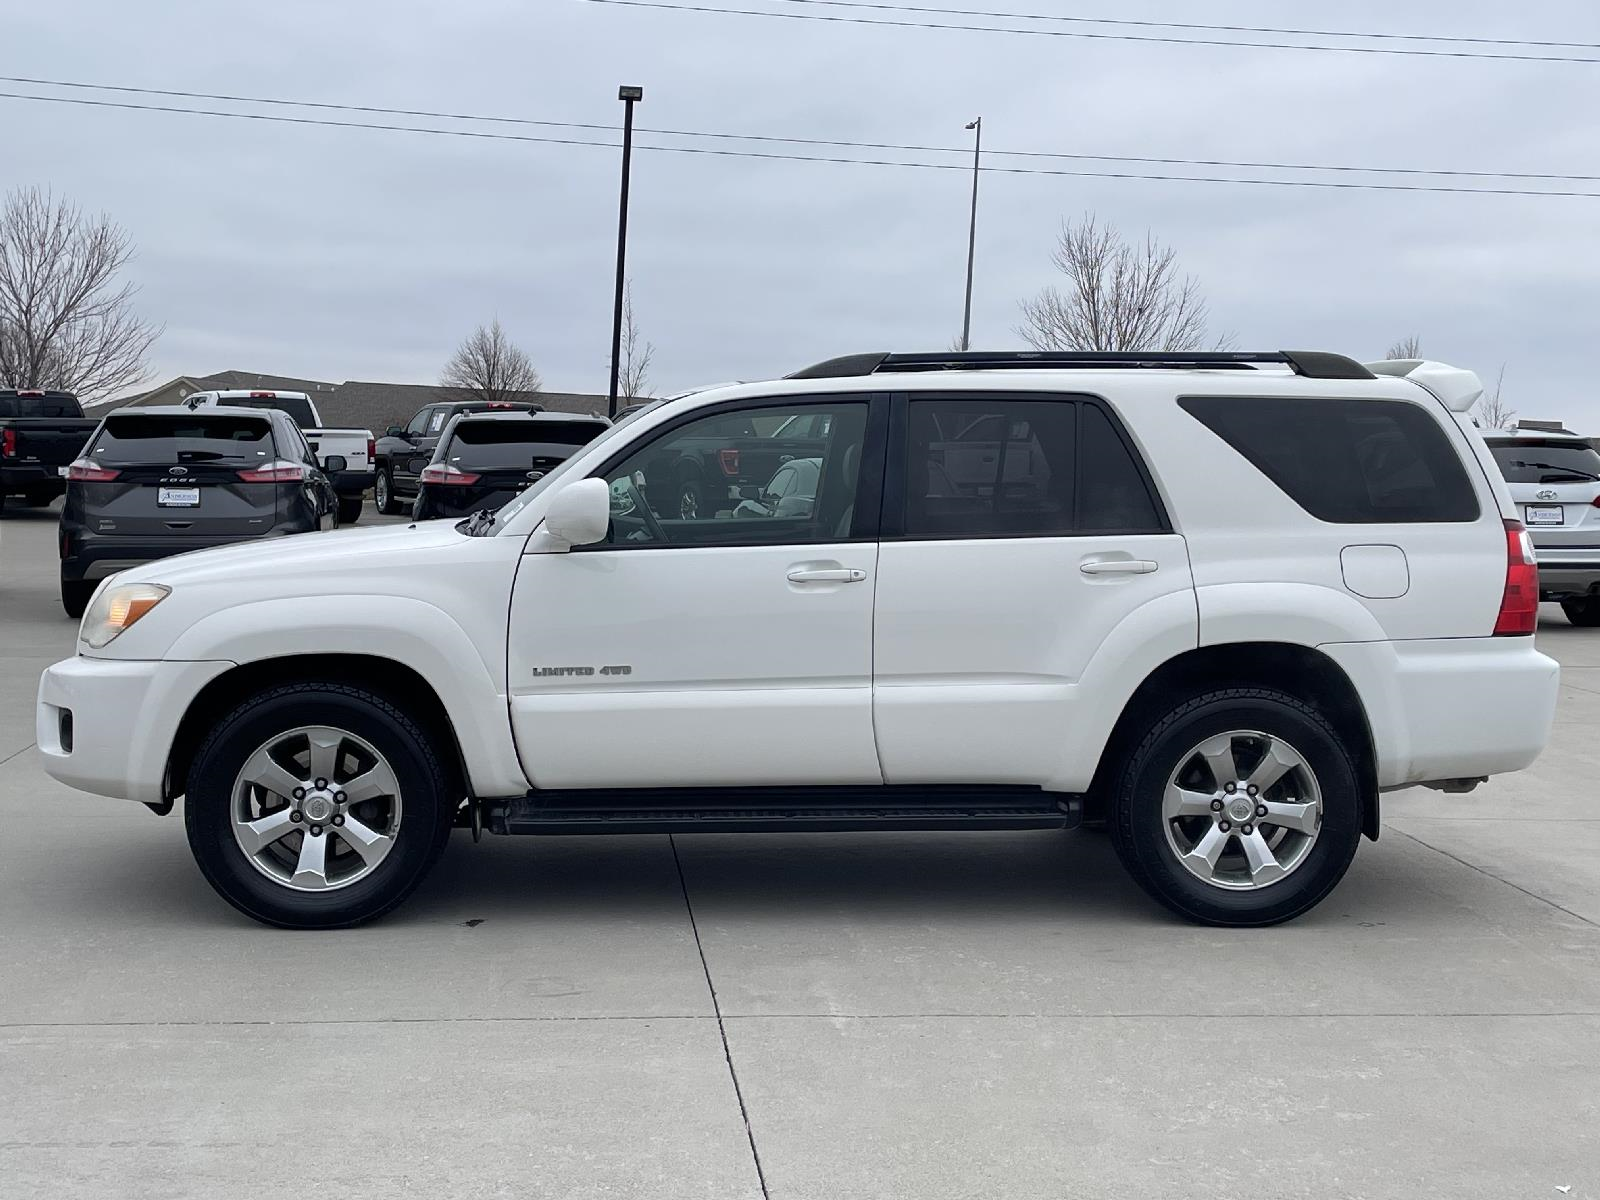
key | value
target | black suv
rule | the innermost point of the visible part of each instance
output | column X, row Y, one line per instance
column 158, row 481
column 484, row 459
column 401, row 454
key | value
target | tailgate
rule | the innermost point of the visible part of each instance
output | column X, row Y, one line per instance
column 197, row 498
column 50, row 443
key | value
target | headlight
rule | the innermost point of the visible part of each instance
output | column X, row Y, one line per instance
column 117, row 607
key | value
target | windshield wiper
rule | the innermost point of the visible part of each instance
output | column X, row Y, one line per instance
column 1572, row 472
column 479, row 523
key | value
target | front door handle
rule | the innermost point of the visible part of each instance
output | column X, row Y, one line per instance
column 1118, row 566
column 826, row 575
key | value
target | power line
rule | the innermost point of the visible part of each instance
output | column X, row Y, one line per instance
column 805, row 158
column 797, row 141
column 1080, row 33
column 1337, row 33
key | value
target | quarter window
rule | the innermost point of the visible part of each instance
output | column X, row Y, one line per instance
column 736, row 478
column 1352, row 462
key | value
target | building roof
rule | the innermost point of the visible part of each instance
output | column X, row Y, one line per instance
column 355, row 402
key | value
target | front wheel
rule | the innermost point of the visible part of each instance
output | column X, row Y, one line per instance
column 383, row 494
column 316, row 806
column 75, row 596
column 1582, row 611
column 1238, row 807
column 350, row 509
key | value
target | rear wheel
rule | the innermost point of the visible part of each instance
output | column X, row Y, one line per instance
column 1238, row 807
column 316, row 806
column 1583, row 611
column 383, row 494
column 38, row 499
column 75, row 596
column 691, row 503
column 350, row 509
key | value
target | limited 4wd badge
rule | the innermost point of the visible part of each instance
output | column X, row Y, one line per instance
column 543, row 671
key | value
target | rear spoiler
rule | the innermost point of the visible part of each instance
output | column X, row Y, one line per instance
column 1455, row 387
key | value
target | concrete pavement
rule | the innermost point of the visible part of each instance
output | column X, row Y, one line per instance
column 818, row 1017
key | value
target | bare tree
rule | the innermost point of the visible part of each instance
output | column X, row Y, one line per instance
column 1493, row 411
column 1406, row 348
column 65, row 320
column 487, row 366
column 1119, row 295
column 633, row 379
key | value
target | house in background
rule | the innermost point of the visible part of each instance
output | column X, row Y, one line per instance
column 353, row 403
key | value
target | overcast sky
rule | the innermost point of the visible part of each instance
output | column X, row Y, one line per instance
column 352, row 254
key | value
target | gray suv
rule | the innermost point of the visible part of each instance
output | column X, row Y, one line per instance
column 1555, row 480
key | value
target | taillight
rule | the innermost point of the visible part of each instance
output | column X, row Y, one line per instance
column 1597, row 501
column 263, row 395
column 445, row 473
column 86, row 470
column 8, row 443
column 729, row 459
column 372, row 449
column 275, row 472
column 1519, row 605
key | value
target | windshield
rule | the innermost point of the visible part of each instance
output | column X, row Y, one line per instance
column 512, row 508
column 132, row 440
column 1530, row 460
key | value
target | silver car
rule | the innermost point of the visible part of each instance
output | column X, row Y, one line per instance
column 1555, row 481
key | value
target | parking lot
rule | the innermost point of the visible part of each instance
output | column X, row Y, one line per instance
column 917, row 1015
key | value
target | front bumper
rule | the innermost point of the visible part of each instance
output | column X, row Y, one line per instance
column 1452, row 708
column 106, row 725
column 353, row 483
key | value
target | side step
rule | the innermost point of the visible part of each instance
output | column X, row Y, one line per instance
column 798, row 810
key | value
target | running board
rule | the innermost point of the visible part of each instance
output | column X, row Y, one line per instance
column 798, row 810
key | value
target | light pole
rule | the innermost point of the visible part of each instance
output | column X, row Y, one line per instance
column 629, row 97
column 972, row 234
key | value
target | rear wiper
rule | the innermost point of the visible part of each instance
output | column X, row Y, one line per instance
column 1572, row 472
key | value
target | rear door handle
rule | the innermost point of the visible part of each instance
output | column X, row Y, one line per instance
column 1118, row 566
column 826, row 575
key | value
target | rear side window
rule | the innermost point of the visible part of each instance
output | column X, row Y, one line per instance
column 1348, row 462
column 507, row 444
column 1006, row 466
column 59, row 405
column 1537, row 460
column 131, row 440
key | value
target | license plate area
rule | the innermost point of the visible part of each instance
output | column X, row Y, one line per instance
column 178, row 497
column 1546, row 514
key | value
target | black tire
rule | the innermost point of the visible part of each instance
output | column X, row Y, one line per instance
column 383, row 490
column 689, row 502
column 350, row 509
column 1139, row 830
column 39, row 499
column 1582, row 611
column 423, row 830
column 75, row 596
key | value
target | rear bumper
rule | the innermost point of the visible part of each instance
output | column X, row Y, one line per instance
column 1452, row 708
column 95, row 558
column 107, row 725
column 353, row 483
column 31, row 477
column 1568, row 572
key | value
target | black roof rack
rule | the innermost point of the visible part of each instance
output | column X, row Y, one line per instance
column 1312, row 364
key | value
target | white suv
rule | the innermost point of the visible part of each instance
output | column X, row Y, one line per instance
column 1219, row 602
column 1554, row 478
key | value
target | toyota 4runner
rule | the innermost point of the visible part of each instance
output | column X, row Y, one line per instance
column 1218, row 602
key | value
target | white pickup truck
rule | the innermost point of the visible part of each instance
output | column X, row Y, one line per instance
column 1220, row 603
column 355, row 446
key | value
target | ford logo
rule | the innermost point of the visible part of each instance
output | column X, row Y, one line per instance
column 1545, row 494
column 185, row 471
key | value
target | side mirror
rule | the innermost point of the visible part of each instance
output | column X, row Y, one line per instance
column 394, row 431
column 335, row 462
column 579, row 515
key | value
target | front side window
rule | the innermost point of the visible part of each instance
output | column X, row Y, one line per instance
column 419, row 422
column 1352, row 462
column 731, row 478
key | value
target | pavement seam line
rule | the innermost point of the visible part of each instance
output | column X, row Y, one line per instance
column 24, row 750
column 1497, row 878
column 722, row 1029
